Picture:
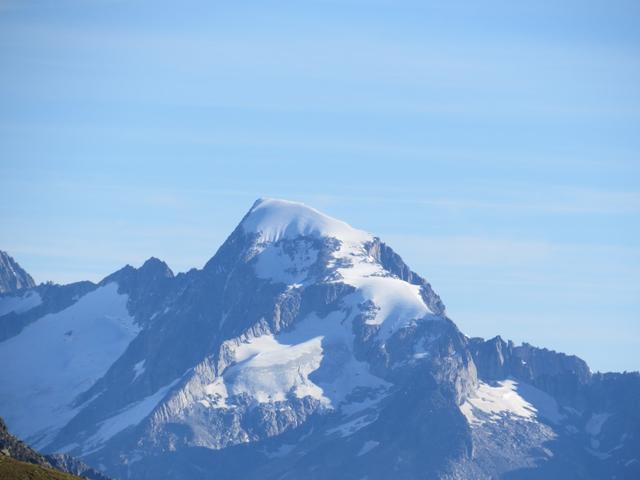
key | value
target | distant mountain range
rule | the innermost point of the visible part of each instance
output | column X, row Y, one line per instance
column 304, row 348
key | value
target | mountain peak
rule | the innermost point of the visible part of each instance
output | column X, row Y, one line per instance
column 152, row 268
column 275, row 219
column 12, row 275
column 157, row 267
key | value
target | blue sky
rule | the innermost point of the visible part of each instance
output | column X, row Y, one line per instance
column 494, row 145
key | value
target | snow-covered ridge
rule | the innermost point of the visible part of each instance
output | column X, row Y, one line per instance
column 275, row 219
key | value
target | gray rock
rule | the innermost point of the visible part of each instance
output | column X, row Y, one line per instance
column 12, row 276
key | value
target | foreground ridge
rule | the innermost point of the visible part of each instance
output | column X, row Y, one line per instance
column 18, row 460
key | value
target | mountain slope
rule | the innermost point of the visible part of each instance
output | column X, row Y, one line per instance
column 11, row 469
column 12, row 276
column 303, row 348
column 19, row 461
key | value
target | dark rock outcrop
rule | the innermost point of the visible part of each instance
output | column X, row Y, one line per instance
column 558, row 374
column 19, row 451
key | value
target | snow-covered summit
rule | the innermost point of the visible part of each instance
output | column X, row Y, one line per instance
column 275, row 219
column 395, row 301
column 296, row 246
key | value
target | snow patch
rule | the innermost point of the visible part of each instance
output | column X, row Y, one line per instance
column 352, row 426
column 275, row 370
column 286, row 262
column 138, row 369
column 367, row 447
column 397, row 303
column 315, row 360
column 595, row 423
column 509, row 398
column 217, row 391
column 282, row 451
column 19, row 303
column 593, row 427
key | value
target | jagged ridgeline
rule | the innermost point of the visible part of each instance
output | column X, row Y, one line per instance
column 12, row 276
column 304, row 348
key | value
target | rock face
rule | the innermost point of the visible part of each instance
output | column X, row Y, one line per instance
column 559, row 374
column 543, row 414
column 10, row 446
column 303, row 349
column 69, row 464
column 12, row 276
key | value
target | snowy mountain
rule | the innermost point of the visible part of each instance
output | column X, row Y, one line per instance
column 304, row 348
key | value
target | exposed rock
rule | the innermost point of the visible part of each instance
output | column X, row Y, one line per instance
column 12, row 276
column 17, row 450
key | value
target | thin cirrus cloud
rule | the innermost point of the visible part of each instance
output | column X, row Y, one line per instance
column 494, row 146
column 198, row 59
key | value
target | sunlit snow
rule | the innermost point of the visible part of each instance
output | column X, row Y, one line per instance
column 61, row 355
column 509, row 398
column 276, row 219
column 367, row 447
column 281, row 265
column 397, row 303
column 138, row 369
column 315, row 359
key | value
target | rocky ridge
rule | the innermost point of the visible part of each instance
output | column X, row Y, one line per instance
column 303, row 348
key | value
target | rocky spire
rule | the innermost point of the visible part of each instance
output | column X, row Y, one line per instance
column 12, row 276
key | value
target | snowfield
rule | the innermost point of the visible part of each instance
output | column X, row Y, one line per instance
column 19, row 303
column 276, row 219
column 58, row 357
column 315, row 359
column 509, row 398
